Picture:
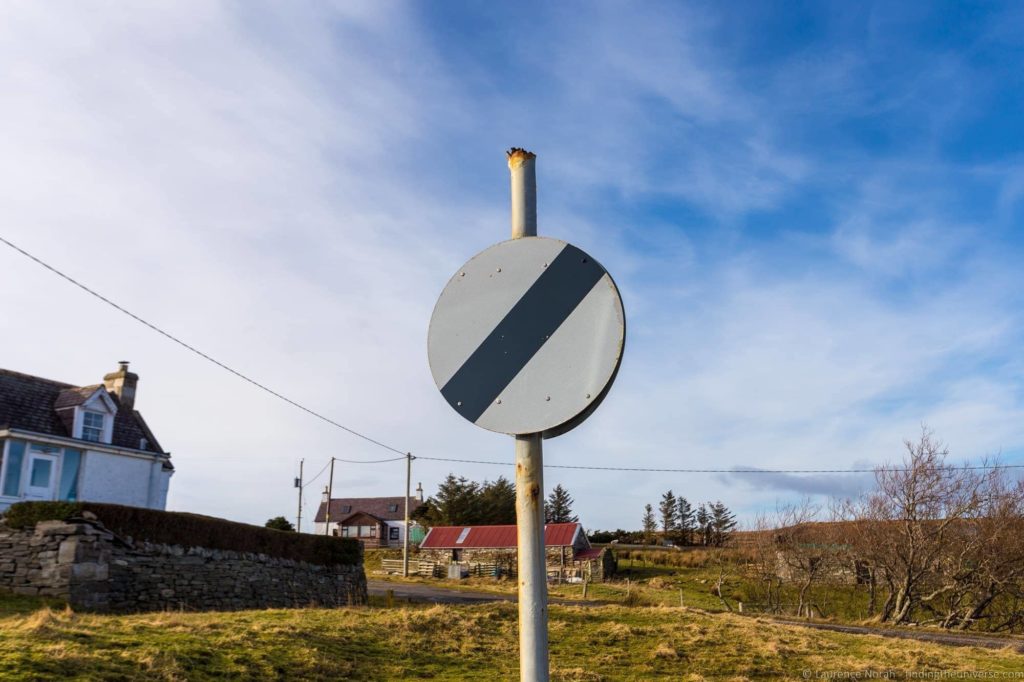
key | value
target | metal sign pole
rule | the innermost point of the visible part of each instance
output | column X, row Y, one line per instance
column 533, row 588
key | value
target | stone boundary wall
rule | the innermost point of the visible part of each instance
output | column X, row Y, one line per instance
column 94, row 570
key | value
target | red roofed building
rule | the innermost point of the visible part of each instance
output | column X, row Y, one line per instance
column 568, row 551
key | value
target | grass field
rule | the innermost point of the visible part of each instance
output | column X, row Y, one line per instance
column 656, row 577
column 44, row 641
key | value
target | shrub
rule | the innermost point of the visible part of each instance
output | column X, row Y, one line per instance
column 28, row 514
column 193, row 530
column 279, row 523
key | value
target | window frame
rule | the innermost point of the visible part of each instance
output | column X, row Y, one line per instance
column 100, row 431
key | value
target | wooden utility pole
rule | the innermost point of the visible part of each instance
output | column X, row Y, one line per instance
column 298, row 484
column 330, row 493
column 408, row 489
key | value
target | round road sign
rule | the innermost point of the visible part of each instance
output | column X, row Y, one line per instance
column 527, row 337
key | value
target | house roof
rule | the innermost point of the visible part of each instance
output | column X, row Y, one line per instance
column 588, row 554
column 494, row 537
column 30, row 403
column 379, row 507
column 75, row 396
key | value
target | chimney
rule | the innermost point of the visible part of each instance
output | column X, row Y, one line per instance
column 326, row 496
column 419, row 492
column 122, row 383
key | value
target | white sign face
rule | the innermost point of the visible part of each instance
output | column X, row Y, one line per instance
column 527, row 337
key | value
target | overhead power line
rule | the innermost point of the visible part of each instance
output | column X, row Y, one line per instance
column 403, row 454
column 726, row 471
column 321, row 473
column 198, row 352
column 370, row 461
column 697, row 471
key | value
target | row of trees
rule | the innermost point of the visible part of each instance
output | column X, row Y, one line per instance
column 930, row 544
column 710, row 524
column 461, row 502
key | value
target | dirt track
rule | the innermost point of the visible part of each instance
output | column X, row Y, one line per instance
column 442, row 595
column 949, row 638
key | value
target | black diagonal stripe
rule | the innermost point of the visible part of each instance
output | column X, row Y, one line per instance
column 517, row 338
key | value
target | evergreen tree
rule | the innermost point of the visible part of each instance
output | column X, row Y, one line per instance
column 279, row 523
column 497, row 503
column 558, row 507
column 685, row 520
column 650, row 524
column 668, row 513
column 722, row 524
column 703, row 524
column 457, row 503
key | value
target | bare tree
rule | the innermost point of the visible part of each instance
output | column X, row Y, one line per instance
column 805, row 549
column 984, row 558
column 762, row 570
column 906, row 527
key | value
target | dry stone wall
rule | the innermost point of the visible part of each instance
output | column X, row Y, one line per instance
column 95, row 570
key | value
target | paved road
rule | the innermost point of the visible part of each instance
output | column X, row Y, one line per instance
column 429, row 593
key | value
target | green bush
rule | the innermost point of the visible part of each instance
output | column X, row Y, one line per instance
column 28, row 514
column 193, row 530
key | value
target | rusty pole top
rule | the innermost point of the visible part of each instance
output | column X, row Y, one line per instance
column 517, row 156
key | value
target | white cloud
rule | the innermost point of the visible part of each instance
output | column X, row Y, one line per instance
column 290, row 189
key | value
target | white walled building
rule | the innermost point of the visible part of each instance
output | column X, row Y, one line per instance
column 88, row 443
column 375, row 521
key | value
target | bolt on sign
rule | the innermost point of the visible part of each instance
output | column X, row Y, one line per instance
column 527, row 337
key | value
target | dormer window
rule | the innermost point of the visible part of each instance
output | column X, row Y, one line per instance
column 92, row 426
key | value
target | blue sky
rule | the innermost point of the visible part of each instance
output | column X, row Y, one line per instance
column 813, row 213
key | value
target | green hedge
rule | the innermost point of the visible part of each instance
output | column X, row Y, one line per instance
column 193, row 530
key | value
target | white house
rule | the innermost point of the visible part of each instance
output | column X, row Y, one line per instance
column 65, row 442
column 375, row 521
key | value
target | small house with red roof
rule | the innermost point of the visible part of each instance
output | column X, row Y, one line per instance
column 567, row 550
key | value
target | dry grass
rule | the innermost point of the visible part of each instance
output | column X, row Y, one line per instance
column 443, row 642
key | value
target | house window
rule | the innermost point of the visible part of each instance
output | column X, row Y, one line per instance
column 346, row 531
column 392, row 508
column 346, row 508
column 393, row 533
column 40, row 475
column 12, row 478
column 367, row 531
column 92, row 426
